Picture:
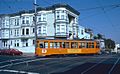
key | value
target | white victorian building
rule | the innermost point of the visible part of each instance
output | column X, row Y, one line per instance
column 17, row 30
column 84, row 33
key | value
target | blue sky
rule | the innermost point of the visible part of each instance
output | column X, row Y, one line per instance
column 104, row 20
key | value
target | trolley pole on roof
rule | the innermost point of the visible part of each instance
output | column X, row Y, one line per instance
column 35, row 21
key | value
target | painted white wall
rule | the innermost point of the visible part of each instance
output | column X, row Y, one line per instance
column 83, row 34
column 30, row 49
column 116, row 48
column 50, row 25
column 0, row 44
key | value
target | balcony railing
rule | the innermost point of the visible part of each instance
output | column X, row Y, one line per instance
column 61, row 34
column 25, row 36
column 61, row 20
column 41, row 22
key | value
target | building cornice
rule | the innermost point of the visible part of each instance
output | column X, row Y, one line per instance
column 53, row 7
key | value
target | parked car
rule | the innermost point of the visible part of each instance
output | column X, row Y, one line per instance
column 14, row 52
column 11, row 52
column 2, row 51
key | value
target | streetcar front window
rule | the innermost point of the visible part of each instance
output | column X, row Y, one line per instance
column 41, row 45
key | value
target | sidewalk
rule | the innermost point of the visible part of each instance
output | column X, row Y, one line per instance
column 28, row 54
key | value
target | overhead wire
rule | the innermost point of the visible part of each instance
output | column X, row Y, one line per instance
column 99, row 7
column 98, row 13
column 89, row 16
column 49, row 3
column 105, row 12
column 103, row 8
column 106, row 15
column 111, row 7
column 85, row 9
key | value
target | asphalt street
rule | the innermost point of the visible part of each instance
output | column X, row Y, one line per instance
column 94, row 64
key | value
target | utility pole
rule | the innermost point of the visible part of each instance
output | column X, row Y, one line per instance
column 35, row 21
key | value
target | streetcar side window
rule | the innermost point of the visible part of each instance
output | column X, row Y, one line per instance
column 51, row 44
column 58, row 44
column 46, row 44
column 66, row 44
column 63, row 44
column 54, row 44
column 87, row 45
column 82, row 45
column 92, row 45
column 74, row 45
column 97, row 45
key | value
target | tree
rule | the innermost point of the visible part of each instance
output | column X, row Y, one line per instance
column 109, row 44
column 95, row 37
column 98, row 36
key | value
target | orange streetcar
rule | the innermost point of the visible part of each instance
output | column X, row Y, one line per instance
column 57, row 47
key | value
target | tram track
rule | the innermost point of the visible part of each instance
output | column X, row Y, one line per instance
column 114, row 65
column 7, row 66
column 54, row 63
column 79, row 68
column 104, row 67
column 4, row 64
column 64, row 65
column 10, row 62
column 94, row 65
